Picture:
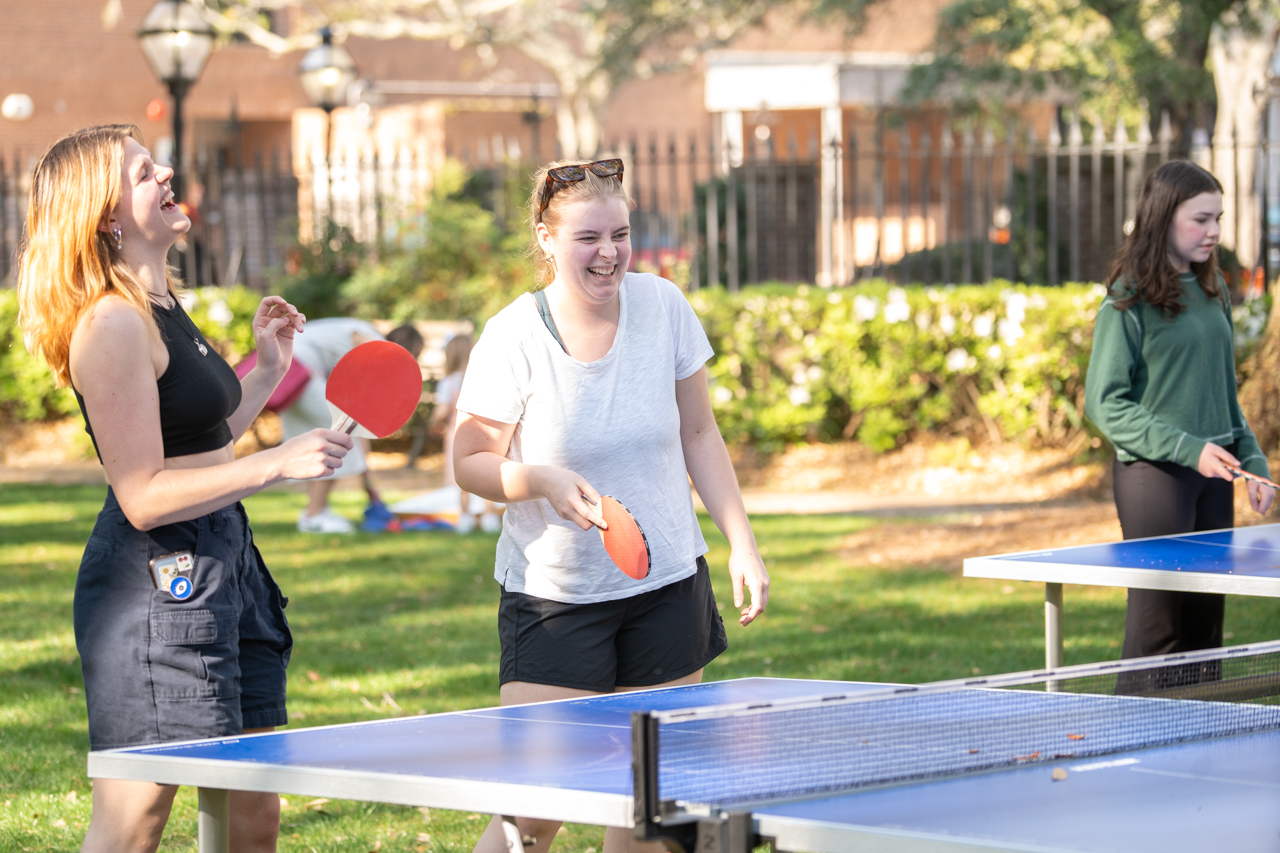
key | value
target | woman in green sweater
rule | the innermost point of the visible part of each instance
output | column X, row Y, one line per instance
column 1162, row 389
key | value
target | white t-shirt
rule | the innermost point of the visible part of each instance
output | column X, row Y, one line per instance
column 447, row 389
column 614, row 421
column 324, row 342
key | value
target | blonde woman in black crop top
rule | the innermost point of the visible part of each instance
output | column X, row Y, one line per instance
column 205, row 657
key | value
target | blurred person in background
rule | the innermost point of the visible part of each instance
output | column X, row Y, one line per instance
column 457, row 352
column 320, row 350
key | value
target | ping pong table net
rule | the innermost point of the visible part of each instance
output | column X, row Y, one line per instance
column 705, row 761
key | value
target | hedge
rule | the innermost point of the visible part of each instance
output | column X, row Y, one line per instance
column 27, row 391
column 875, row 362
column 879, row 362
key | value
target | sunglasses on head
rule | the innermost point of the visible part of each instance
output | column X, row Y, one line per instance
column 572, row 174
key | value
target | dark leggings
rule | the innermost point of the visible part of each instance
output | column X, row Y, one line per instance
column 1158, row 499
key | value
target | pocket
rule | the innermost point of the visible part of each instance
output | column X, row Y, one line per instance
column 97, row 548
column 191, row 627
column 193, row 652
column 194, row 647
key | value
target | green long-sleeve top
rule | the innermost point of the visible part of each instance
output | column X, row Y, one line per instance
column 1161, row 389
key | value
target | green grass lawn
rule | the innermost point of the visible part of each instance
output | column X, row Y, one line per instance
column 387, row 625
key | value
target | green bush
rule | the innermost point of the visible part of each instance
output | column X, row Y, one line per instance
column 873, row 362
column 449, row 260
column 878, row 362
column 315, row 272
column 450, row 263
column 27, row 391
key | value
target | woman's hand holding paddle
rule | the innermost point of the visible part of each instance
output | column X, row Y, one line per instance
column 1260, row 490
column 570, row 495
column 1213, row 462
column 313, row 454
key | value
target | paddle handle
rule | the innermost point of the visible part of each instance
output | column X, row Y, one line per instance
column 345, row 425
column 1240, row 472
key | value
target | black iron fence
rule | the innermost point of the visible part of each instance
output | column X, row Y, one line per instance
column 917, row 202
column 925, row 203
column 244, row 217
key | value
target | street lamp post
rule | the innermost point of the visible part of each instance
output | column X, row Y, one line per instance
column 177, row 43
column 326, row 72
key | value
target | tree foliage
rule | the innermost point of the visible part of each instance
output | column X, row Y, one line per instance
column 1113, row 59
column 589, row 46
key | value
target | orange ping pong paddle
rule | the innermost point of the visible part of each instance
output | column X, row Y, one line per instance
column 374, row 389
column 624, row 541
column 1240, row 472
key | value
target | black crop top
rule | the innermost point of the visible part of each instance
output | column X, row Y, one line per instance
column 198, row 391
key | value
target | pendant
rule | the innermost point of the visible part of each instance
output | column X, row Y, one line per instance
column 203, row 349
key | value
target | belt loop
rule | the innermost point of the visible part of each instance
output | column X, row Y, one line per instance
column 215, row 521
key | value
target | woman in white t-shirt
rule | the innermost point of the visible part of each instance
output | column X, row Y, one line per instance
column 597, row 385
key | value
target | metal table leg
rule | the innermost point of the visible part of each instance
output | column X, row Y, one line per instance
column 215, row 821
column 1052, row 628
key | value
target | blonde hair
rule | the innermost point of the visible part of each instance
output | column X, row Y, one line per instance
column 65, row 262
column 592, row 186
column 457, row 352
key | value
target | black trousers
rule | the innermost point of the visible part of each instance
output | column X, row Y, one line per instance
column 1158, row 499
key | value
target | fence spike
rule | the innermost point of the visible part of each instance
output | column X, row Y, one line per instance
column 1122, row 134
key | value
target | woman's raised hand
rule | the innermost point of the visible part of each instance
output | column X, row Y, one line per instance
column 274, row 326
column 570, row 495
column 313, row 454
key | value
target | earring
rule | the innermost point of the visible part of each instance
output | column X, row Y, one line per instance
column 115, row 232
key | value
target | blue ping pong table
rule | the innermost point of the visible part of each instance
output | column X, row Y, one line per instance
column 572, row 760
column 1240, row 561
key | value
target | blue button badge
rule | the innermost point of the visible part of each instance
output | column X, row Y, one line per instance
column 181, row 588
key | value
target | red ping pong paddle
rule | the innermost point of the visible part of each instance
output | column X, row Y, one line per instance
column 376, row 386
column 1240, row 472
column 624, row 540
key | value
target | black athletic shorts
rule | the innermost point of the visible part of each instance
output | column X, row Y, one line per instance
column 642, row 641
column 161, row 668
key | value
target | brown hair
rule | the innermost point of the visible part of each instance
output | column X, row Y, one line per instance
column 65, row 263
column 1142, row 264
column 457, row 352
column 593, row 186
column 408, row 337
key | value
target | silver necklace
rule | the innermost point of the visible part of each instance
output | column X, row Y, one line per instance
column 168, row 305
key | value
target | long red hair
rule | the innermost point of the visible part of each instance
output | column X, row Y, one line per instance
column 66, row 263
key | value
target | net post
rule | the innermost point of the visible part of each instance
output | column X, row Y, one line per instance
column 682, row 837
column 732, row 833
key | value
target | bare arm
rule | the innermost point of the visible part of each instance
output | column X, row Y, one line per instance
column 481, row 467
column 274, row 326
column 115, row 365
column 707, row 461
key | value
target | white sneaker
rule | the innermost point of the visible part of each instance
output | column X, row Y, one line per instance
column 490, row 523
column 466, row 524
column 324, row 522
